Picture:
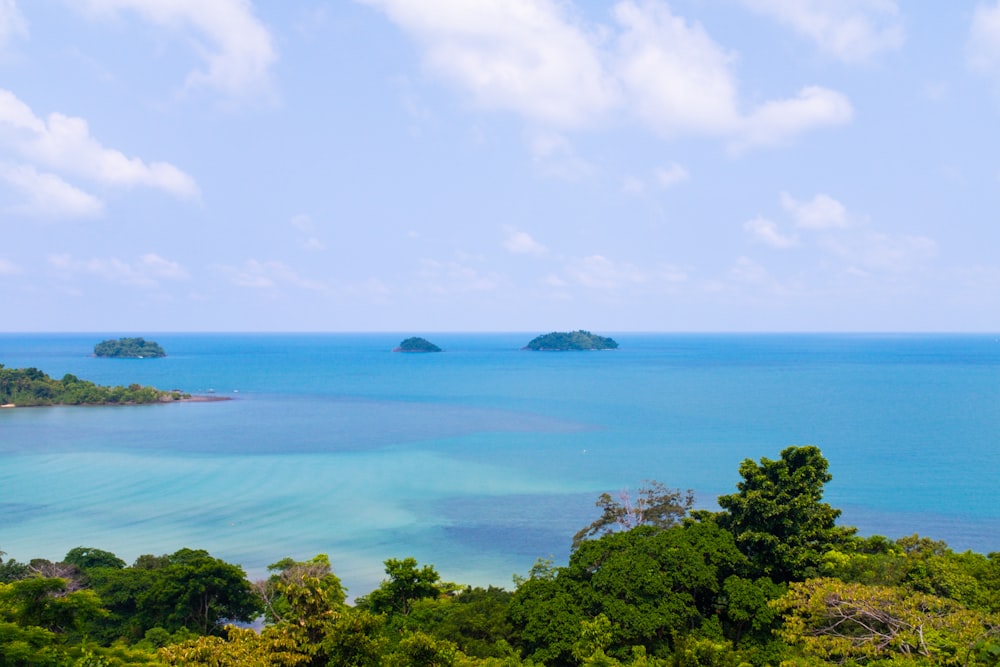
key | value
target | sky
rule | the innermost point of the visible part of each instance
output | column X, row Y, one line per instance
column 499, row 165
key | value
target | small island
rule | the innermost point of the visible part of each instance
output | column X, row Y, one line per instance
column 416, row 344
column 129, row 348
column 30, row 387
column 570, row 340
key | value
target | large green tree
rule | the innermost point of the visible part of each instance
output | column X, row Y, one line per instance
column 777, row 515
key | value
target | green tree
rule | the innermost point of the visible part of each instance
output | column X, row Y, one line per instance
column 841, row 622
column 86, row 558
column 653, row 505
column 406, row 583
column 778, row 517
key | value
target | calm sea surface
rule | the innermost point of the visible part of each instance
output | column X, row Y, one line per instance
column 483, row 458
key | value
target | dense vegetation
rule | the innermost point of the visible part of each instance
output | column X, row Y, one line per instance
column 770, row 579
column 416, row 344
column 571, row 340
column 129, row 348
column 30, row 386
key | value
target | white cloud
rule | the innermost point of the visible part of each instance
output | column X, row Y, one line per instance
column 522, row 243
column 680, row 81
column 64, row 143
column 148, row 271
column 454, row 276
column 673, row 175
column 599, row 272
column 852, row 31
column 8, row 268
column 748, row 271
column 633, row 186
column 12, row 23
column 302, row 222
column 821, row 212
column 777, row 121
column 526, row 56
column 268, row 275
column 875, row 252
column 677, row 76
column 766, row 231
column 533, row 57
column 983, row 48
column 239, row 50
column 48, row 196
column 554, row 157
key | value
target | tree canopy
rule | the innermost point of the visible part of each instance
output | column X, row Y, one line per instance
column 129, row 348
column 416, row 344
column 570, row 340
column 31, row 387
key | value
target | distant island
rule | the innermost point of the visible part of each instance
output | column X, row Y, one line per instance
column 416, row 344
column 570, row 340
column 129, row 348
column 28, row 387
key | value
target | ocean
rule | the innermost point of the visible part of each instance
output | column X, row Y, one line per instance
column 484, row 458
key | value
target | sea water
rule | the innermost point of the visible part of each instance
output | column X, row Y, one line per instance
column 484, row 458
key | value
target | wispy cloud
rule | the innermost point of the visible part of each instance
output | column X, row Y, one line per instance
column 12, row 23
column 766, row 231
column 852, row 31
column 522, row 243
column 820, row 212
column 45, row 195
column 880, row 253
column 668, row 177
column 983, row 48
column 8, row 268
column 237, row 48
column 148, row 271
column 268, row 275
column 455, row 276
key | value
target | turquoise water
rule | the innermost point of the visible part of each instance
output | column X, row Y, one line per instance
column 483, row 458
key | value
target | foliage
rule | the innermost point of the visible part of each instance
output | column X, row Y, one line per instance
column 131, row 348
column 187, row 589
column 240, row 648
column 30, row 386
column 649, row 583
column 654, row 505
column 416, row 344
column 777, row 515
column 654, row 586
column 290, row 576
column 572, row 340
column 406, row 584
column 839, row 621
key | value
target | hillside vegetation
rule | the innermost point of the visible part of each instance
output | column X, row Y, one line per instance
column 770, row 579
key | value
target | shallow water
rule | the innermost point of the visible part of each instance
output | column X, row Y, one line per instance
column 483, row 458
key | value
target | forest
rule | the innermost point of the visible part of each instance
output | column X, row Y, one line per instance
column 770, row 578
column 24, row 387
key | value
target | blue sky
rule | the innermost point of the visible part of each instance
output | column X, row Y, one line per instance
column 495, row 165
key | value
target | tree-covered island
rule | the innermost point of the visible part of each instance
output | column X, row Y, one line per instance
column 26, row 387
column 129, row 348
column 570, row 340
column 769, row 580
column 416, row 344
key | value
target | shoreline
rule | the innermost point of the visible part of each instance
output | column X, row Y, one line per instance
column 163, row 400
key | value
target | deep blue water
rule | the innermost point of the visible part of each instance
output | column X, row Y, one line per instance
column 483, row 458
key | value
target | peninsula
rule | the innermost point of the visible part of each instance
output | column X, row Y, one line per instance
column 129, row 348
column 28, row 387
column 416, row 344
column 571, row 340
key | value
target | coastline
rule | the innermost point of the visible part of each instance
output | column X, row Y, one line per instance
column 166, row 399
